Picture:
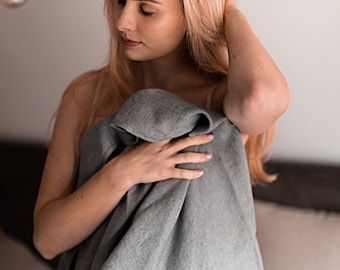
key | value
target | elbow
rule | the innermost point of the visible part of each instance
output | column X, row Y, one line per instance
column 256, row 112
column 43, row 246
column 280, row 100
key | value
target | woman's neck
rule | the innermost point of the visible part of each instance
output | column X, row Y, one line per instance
column 169, row 72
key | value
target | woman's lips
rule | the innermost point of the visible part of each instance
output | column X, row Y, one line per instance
column 130, row 43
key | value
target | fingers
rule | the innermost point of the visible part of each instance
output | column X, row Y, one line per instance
column 181, row 144
column 158, row 161
column 175, row 156
column 191, row 157
column 186, row 174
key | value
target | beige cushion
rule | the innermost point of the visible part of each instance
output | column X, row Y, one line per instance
column 296, row 238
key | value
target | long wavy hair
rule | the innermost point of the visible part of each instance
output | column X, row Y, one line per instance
column 205, row 47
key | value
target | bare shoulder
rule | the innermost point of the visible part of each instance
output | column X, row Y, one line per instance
column 73, row 112
column 80, row 92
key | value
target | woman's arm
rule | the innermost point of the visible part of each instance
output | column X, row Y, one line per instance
column 64, row 217
column 257, row 91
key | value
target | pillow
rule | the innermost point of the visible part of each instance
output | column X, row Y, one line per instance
column 296, row 238
column 304, row 185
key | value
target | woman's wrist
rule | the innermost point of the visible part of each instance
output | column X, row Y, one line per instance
column 119, row 180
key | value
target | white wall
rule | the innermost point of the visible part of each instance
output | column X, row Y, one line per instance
column 304, row 38
column 45, row 44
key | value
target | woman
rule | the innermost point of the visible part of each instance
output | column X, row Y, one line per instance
column 202, row 50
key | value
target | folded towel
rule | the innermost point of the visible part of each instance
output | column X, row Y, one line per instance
column 175, row 224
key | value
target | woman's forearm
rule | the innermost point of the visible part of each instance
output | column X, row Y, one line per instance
column 64, row 223
column 257, row 90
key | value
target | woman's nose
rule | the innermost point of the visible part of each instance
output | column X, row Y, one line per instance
column 126, row 19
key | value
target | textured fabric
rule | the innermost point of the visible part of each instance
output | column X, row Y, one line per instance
column 206, row 223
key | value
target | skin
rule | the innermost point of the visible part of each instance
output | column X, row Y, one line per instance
column 158, row 28
column 64, row 217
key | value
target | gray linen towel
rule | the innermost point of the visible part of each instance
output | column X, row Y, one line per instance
column 174, row 224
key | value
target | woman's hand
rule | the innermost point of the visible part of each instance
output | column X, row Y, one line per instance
column 151, row 162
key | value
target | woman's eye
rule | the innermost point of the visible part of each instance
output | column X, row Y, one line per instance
column 144, row 12
column 122, row 2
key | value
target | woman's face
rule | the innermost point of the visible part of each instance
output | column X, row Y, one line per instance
column 150, row 29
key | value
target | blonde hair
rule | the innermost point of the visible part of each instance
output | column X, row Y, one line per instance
column 205, row 46
column 208, row 48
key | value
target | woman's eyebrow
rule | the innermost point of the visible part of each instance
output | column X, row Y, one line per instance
column 153, row 1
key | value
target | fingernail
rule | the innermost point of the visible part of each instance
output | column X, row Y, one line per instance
column 208, row 156
column 210, row 136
